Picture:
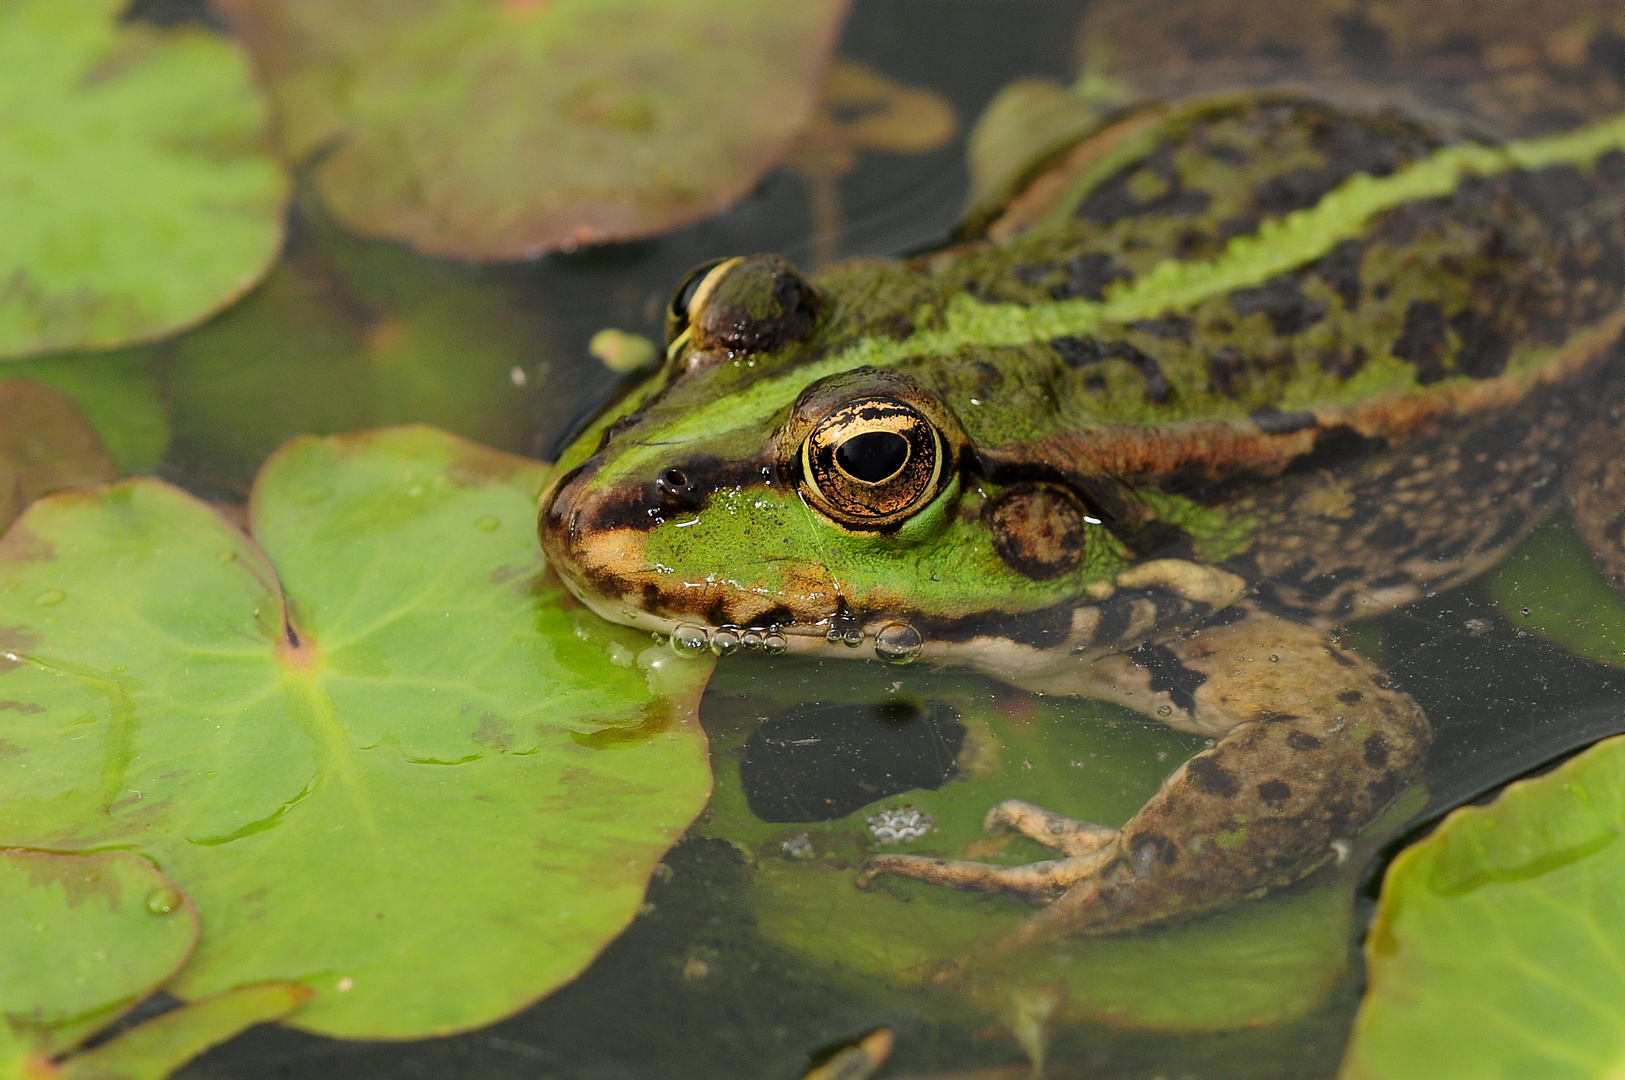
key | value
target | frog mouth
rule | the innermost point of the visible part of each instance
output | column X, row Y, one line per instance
column 1143, row 600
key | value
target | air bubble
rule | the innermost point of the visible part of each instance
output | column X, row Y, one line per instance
column 774, row 643
column 1165, row 710
column 164, row 900
column 487, row 524
column 690, row 640
column 1274, row 659
column 50, row 598
column 898, row 643
column 751, row 639
column 725, row 641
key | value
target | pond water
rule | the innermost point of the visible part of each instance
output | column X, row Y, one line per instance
column 754, row 955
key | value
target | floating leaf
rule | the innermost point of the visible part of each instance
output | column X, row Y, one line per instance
column 1550, row 586
column 1497, row 946
column 83, row 938
column 136, row 196
column 502, row 130
column 347, row 334
column 378, row 748
column 1258, row 962
column 46, row 444
column 155, row 1049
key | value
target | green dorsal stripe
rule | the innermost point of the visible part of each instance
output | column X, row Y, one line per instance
column 1279, row 246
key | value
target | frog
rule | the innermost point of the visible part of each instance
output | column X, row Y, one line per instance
column 1214, row 380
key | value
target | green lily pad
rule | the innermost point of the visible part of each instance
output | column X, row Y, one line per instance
column 1497, row 946
column 83, row 938
column 377, row 745
column 1259, row 962
column 1551, row 587
column 46, row 444
column 348, row 334
column 136, row 196
column 503, row 130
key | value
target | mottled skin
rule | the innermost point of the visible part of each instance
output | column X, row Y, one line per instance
column 1221, row 375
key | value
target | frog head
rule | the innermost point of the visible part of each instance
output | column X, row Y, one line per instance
column 780, row 483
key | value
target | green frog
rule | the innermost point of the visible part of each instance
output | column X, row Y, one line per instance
column 1214, row 380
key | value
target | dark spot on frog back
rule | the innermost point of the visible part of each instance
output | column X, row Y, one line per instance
column 1211, row 777
column 1088, row 275
column 1282, row 302
column 1078, row 352
column 1153, row 186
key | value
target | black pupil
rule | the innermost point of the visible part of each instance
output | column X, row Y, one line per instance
column 691, row 285
column 873, row 456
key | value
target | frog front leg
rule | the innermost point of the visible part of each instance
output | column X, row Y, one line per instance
column 1312, row 745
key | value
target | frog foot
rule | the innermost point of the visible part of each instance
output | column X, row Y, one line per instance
column 1085, row 845
column 1311, row 744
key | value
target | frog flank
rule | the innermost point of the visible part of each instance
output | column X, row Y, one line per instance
column 1223, row 374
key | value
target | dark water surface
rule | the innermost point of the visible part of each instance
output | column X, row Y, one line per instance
column 693, row 989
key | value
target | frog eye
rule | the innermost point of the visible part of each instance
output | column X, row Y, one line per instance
column 747, row 305
column 872, row 463
column 682, row 301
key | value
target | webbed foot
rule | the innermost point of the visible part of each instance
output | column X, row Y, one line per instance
column 1085, row 845
column 1315, row 745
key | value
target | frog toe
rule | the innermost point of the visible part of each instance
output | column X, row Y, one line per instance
column 1066, row 835
column 1040, row 882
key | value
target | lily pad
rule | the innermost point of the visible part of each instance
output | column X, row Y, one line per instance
column 377, row 745
column 1259, row 962
column 46, row 444
column 1551, row 587
column 83, row 938
column 136, row 193
column 503, row 130
column 348, row 334
column 1497, row 946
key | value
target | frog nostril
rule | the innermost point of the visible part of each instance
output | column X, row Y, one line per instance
column 674, row 493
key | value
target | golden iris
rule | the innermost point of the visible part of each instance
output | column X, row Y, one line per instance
column 872, row 462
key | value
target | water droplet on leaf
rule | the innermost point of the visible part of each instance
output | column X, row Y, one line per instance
column 164, row 900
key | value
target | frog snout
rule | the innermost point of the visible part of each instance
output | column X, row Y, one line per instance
column 560, row 515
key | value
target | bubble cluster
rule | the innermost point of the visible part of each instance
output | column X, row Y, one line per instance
column 900, row 825
column 689, row 640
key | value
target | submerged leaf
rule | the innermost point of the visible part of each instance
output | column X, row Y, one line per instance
column 1551, row 586
column 1259, row 962
column 1497, row 946
column 46, row 444
column 348, row 334
column 136, row 196
column 380, row 748
column 501, row 130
